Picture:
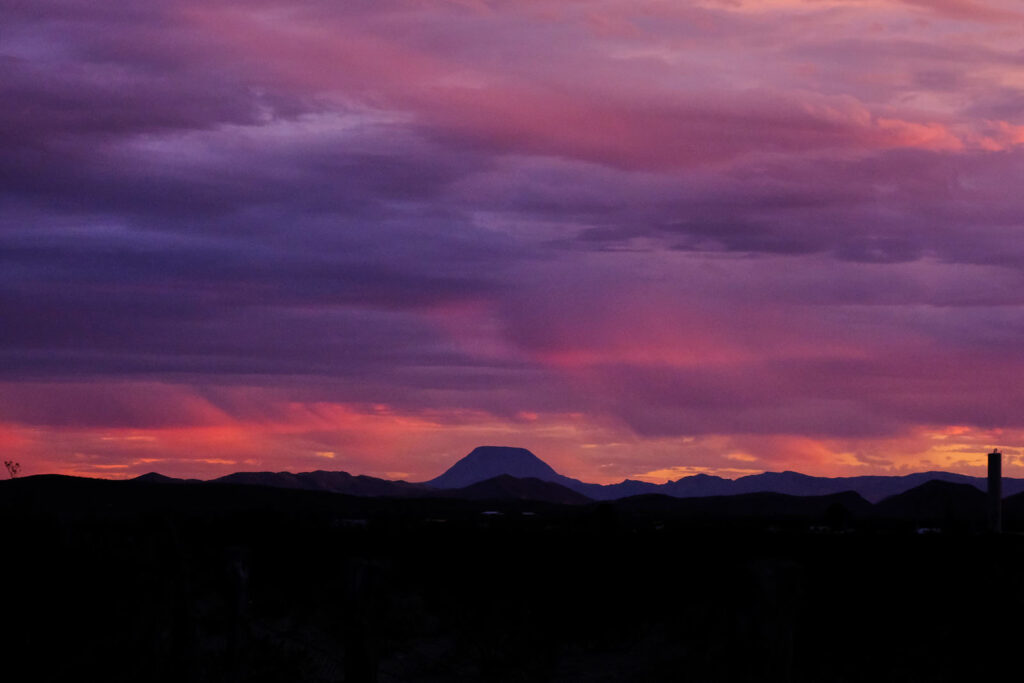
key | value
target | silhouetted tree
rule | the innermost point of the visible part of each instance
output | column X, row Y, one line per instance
column 12, row 468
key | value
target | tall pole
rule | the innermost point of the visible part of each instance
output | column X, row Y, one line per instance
column 995, row 491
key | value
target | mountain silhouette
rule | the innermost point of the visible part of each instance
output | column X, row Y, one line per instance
column 487, row 462
column 936, row 502
column 873, row 488
column 698, row 485
column 320, row 480
column 157, row 478
column 507, row 487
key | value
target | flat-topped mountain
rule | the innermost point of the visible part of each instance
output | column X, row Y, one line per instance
column 487, row 462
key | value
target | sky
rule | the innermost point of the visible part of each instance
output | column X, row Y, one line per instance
column 643, row 238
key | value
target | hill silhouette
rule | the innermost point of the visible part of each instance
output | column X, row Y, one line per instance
column 320, row 480
column 874, row 487
column 937, row 503
column 507, row 487
column 157, row 478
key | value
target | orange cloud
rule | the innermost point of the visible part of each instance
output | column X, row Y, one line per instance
column 930, row 136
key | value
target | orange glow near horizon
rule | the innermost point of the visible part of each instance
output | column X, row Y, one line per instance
column 380, row 442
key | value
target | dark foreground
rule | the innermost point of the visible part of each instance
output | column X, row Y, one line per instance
column 121, row 581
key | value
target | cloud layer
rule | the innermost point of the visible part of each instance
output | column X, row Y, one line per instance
column 641, row 238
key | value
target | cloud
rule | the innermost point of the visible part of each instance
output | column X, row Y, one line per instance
column 673, row 234
column 969, row 10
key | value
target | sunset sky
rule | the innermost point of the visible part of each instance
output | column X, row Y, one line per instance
column 641, row 238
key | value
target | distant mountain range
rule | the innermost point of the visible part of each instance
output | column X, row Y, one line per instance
column 518, row 473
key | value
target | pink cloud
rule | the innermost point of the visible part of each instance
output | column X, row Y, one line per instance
column 626, row 118
column 971, row 10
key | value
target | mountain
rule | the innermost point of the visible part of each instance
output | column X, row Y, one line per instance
column 624, row 489
column 1013, row 511
column 699, row 485
column 320, row 480
column 507, row 487
column 936, row 502
column 487, row 462
column 872, row 488
column 157, row 478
